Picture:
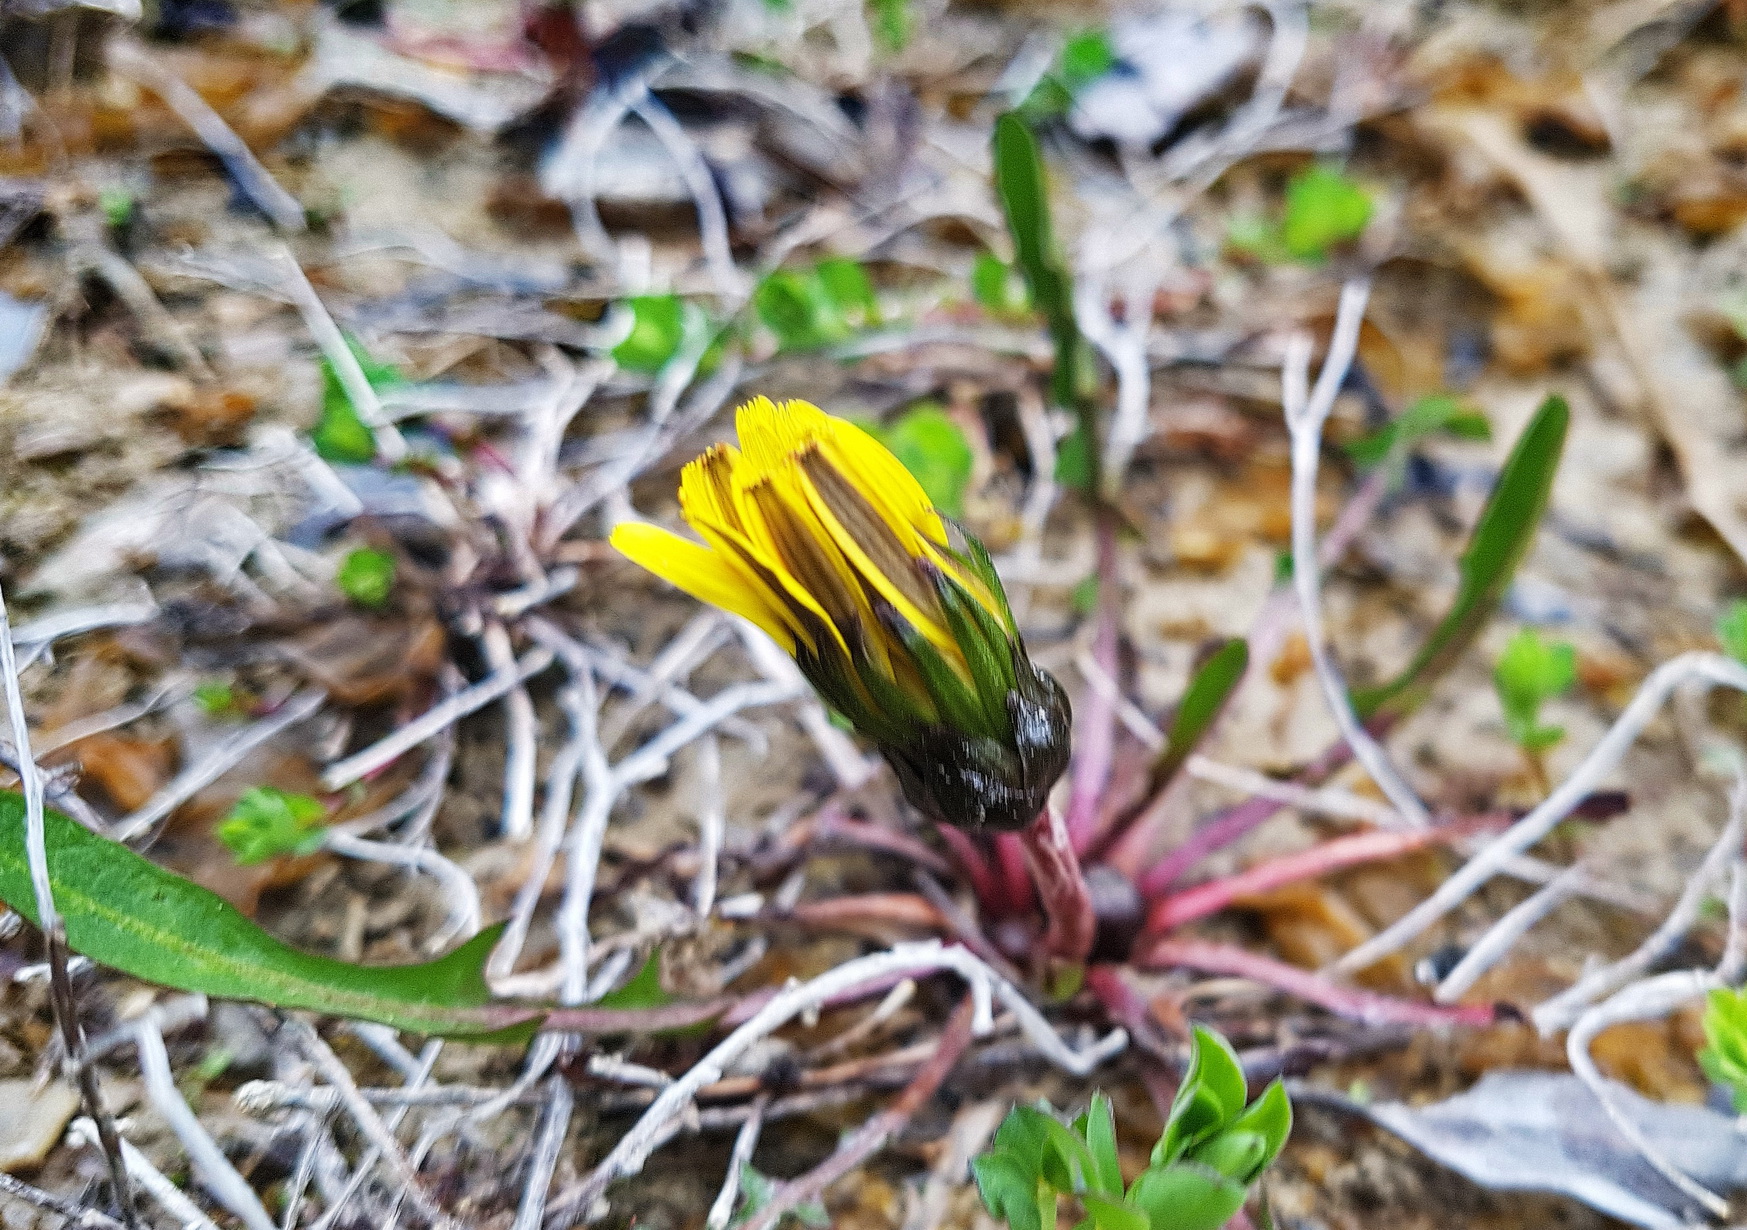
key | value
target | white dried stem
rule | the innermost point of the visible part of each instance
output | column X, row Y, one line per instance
column 434, row 721
column 1306, row 411
column 712, row 217
column 417, row 1072
column 1563, row 1009
column 712, row 821
column 49, row 628
column 460, row 893
column 294, row 283
column 628, row 1156
column 1341, row 804
column 139, row 1168
column 544, row 1159
column 1690, row 668
column 211, row 1166
column 745, row 1141
column 1502, row 936
column 1124, row 344
column 130, row 60
column 224, row 756
column 520, row 736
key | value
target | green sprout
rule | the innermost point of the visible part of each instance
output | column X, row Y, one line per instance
column 1530, row 672
column 1724, row 1057
column 266, row 823
column 1213, row 1149
column 117, row 206
column 217, row 699
column 1732, row 629
column 891, row 22
column 1433, row 413
column 1324, row 209
column 658, row 328
column 366, row 576
column 1084, row 58
column 341, row 434
column 807, row 309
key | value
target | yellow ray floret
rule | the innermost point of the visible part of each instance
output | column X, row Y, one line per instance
column 808, row 526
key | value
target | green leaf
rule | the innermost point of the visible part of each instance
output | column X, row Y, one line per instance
column 117, row 206
column 1506, row 528
column 1085, row 57
column 850, row 290
column 997, row 287
column 658, row 324
column 934, row 450
column 1270, row 1117
column 1098, row 1125
column 1075, row 461
column 127, row 913
column 1019, row 182
column 1724, row 1058
column 1105, row 1213
column 795, row 307
column 1429, row 414
column 1083, row 598
column 340, row 434
column 1323, row 208
column 891, row 23
column 1200, row 707
column 1256, row 237
column 266, row 823
column 1236, row 1155
column 366, row 576
column 644, row 990
column 1187, row 1196
column 1732, row 630
column 1009, row 1190
column 1210, row 1097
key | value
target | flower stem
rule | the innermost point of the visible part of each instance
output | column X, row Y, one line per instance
column 1072, row 924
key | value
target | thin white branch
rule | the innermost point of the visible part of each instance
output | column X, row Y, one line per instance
column 342, row 773
column 82, row 619
column 520, row 735
column 712, row 820
column 712, row 217
column 1563, row 1009
column 544, row 1160
column 745, row 1141
column 628, row 1156
column 294, row 283
column 1306, row 412
column 1125, row 345
column 1689, row 668
column 1502, row 936
column 211, row 1166
column 148, row 1176
column 460, row 893
column 1327, row 801
column 224, row 756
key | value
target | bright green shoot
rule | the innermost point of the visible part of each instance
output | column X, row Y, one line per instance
column 1732, row 629
column 807, row 309
column 1724, row 1057
column 1324, row 209
column 1213, row 1149
column 1529, row 673
column 366, row 576
column 1429, row 415
column 341, row 434
column 266, row 823
column 935, row 451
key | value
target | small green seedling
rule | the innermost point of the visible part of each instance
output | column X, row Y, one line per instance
column 1433, row 413
column 1212, row 1150
column 1724, row 1057
column 1732, row 629
column 1084, row 58
column 366, row 576
column 1324, row 209
column 998, row 287
column 807, row 309
column 757, row 1190
column 340, row 434
column 659, row 326
column 217, row 699
column 266, row 823
column 934, row 450
column 891, row 23
column 117, row 206
column 1530, row 672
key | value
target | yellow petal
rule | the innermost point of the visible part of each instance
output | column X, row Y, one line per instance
column 701, row 573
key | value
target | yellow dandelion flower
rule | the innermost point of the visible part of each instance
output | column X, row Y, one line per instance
column 813, row 531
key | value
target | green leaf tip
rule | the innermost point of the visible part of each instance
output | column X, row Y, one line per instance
column 125, row 912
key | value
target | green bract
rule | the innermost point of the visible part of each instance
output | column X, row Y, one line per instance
column 1213, row 1148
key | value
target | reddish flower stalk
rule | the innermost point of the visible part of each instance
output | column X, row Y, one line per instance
column 1072, row 924
column 985, row 885
column 1364, row 1006
column 1015, row 872
column 1095, row 732
column 1350, row 851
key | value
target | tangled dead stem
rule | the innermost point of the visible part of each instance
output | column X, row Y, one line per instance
column 528, row 254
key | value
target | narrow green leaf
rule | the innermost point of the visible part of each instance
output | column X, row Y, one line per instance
column 129, row 914
column 1111, row 1214
column 1429, row 414
column 1201, row 705
column 1236, row 1155
column 644, row 990
column 934, row 450
column 1269, row 1116
column 1100, row 1130
column 1501, row 539
column 1009, row 1190
column 997, row 287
